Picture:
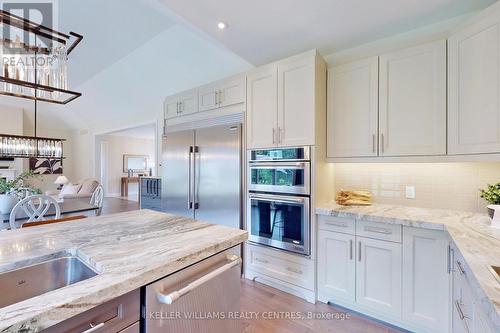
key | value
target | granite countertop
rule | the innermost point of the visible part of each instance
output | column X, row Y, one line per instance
column 129, row 250
column 472, row 234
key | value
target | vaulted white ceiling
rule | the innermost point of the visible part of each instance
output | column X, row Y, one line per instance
column 262, row 31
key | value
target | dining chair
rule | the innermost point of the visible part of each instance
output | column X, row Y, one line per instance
column 97, row 198
column 35, row 208
column 64, row 219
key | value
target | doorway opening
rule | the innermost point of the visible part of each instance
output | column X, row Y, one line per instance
column 122, row 157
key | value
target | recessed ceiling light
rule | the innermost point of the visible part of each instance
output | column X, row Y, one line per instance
column 221, row 25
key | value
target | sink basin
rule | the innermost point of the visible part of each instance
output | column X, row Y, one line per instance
column 30, row 281
column 495, row 270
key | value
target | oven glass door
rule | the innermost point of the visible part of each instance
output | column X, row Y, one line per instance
column 279, row 154
column 280, row 221
column 280, row 177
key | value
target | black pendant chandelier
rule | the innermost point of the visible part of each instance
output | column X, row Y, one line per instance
column 38, row 73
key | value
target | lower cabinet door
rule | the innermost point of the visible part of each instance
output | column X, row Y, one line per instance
column 426, row 279
column 336, row 266
column 378, row 275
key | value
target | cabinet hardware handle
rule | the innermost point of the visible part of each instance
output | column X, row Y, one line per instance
column 350, row 249
column 93, row 328
column 448, row 260
column 461, row 314
column 378, row 230
column 359, row 251
column 294, row 270
column 180, row 107
column 460, row 267
column 341, row 225
column 280, row 134
column 220, row 97
column 382, row 143
column 274, row 135
column 216, row 97
column 374, row 145
column 170, row 298
column 177, row 108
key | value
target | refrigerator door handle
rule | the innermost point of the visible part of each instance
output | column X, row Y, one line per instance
column 196, row 176
column 190, row 179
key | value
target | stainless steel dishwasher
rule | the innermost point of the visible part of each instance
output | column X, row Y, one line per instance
column 203, row 298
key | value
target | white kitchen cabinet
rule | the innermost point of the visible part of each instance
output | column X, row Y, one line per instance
column 467, row 312
column 426, row 279
column 378, row 276
column 353, row 109
column 181, row 104
column 412, row 97
column 336, row 266
column 262, row 103
column 297, row 102
column 474, row 87
column 284, row 101
column 222, row 93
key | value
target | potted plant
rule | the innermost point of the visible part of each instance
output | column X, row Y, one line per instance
column 492, row 195
column 13, row 190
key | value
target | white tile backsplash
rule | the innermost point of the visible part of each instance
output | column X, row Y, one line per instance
column 437, row 185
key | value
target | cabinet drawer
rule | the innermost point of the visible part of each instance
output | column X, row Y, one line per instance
column 113, row 316
column 383, row 231
column 337, row 224
column 283, row 266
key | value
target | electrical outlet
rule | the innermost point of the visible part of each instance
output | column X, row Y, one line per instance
column 410, row 192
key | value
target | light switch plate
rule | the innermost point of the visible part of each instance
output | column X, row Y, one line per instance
column 410, row 192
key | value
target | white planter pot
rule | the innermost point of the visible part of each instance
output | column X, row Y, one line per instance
column 7, row 202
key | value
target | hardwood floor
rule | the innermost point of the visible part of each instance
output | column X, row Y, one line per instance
column 117, row 205
column 264, row 301
column 259, row 298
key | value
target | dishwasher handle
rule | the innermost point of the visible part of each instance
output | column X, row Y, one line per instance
column 175, row 295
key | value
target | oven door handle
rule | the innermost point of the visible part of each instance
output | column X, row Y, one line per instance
column 277, row 165
column 276, row 198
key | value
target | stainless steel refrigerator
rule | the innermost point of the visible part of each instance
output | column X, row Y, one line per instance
column 201, row 174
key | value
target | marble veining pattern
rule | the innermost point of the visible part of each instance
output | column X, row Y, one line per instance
column 472, row 234
column 129, row 250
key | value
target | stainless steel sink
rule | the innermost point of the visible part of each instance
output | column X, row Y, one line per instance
column 30, row 281
column 495, row 270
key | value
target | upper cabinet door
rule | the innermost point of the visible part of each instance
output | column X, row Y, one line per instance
column 208, row 97
column 262, row 104
column 171, row 107
column 232, row 92
column 188, row 102
column 296, row 102
column 353, row 109
column 474, row 88
column 412, row 96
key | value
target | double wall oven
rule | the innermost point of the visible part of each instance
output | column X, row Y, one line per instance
column 279, row 193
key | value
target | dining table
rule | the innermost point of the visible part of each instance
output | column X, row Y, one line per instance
column 68, row 207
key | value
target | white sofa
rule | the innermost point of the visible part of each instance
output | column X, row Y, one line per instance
column 83, row 189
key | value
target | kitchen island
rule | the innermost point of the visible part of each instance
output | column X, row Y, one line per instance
column 127, row 250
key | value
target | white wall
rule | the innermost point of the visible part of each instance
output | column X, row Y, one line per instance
column 117, row 147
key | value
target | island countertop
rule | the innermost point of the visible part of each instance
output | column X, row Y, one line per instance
column 129, row 250
column 472, row 234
